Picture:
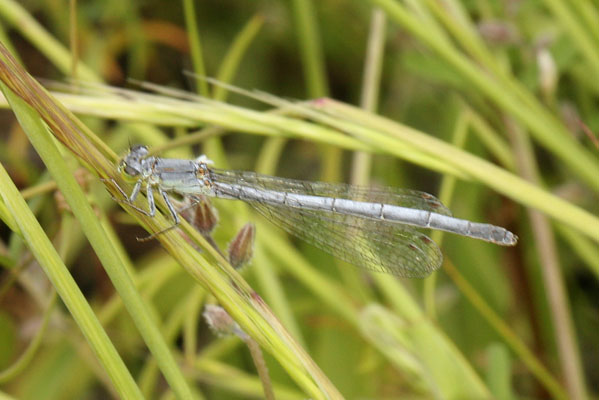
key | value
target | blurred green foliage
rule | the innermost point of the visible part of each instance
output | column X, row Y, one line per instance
column 541, row 54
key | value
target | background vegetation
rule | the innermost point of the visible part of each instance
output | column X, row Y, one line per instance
column 490, row 105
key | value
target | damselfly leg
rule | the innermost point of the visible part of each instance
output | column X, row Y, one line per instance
column 129, row 200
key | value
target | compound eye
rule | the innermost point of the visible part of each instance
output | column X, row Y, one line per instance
column 130, row 171
column 139, row 149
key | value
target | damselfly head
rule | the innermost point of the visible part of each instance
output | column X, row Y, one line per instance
column 131, row 164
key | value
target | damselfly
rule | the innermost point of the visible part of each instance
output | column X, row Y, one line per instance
column 373, row 228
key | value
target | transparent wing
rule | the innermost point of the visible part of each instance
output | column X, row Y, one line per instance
column 370, row 244
column 386, row 195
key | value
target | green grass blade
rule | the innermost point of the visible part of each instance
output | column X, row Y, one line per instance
column 418, row 346
column 546, row 129
column 66, row 287
column 195, row 44
column 232, row 60
column 310, row 48
column 21, row 20
column 57, row 166
column 219, row 278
